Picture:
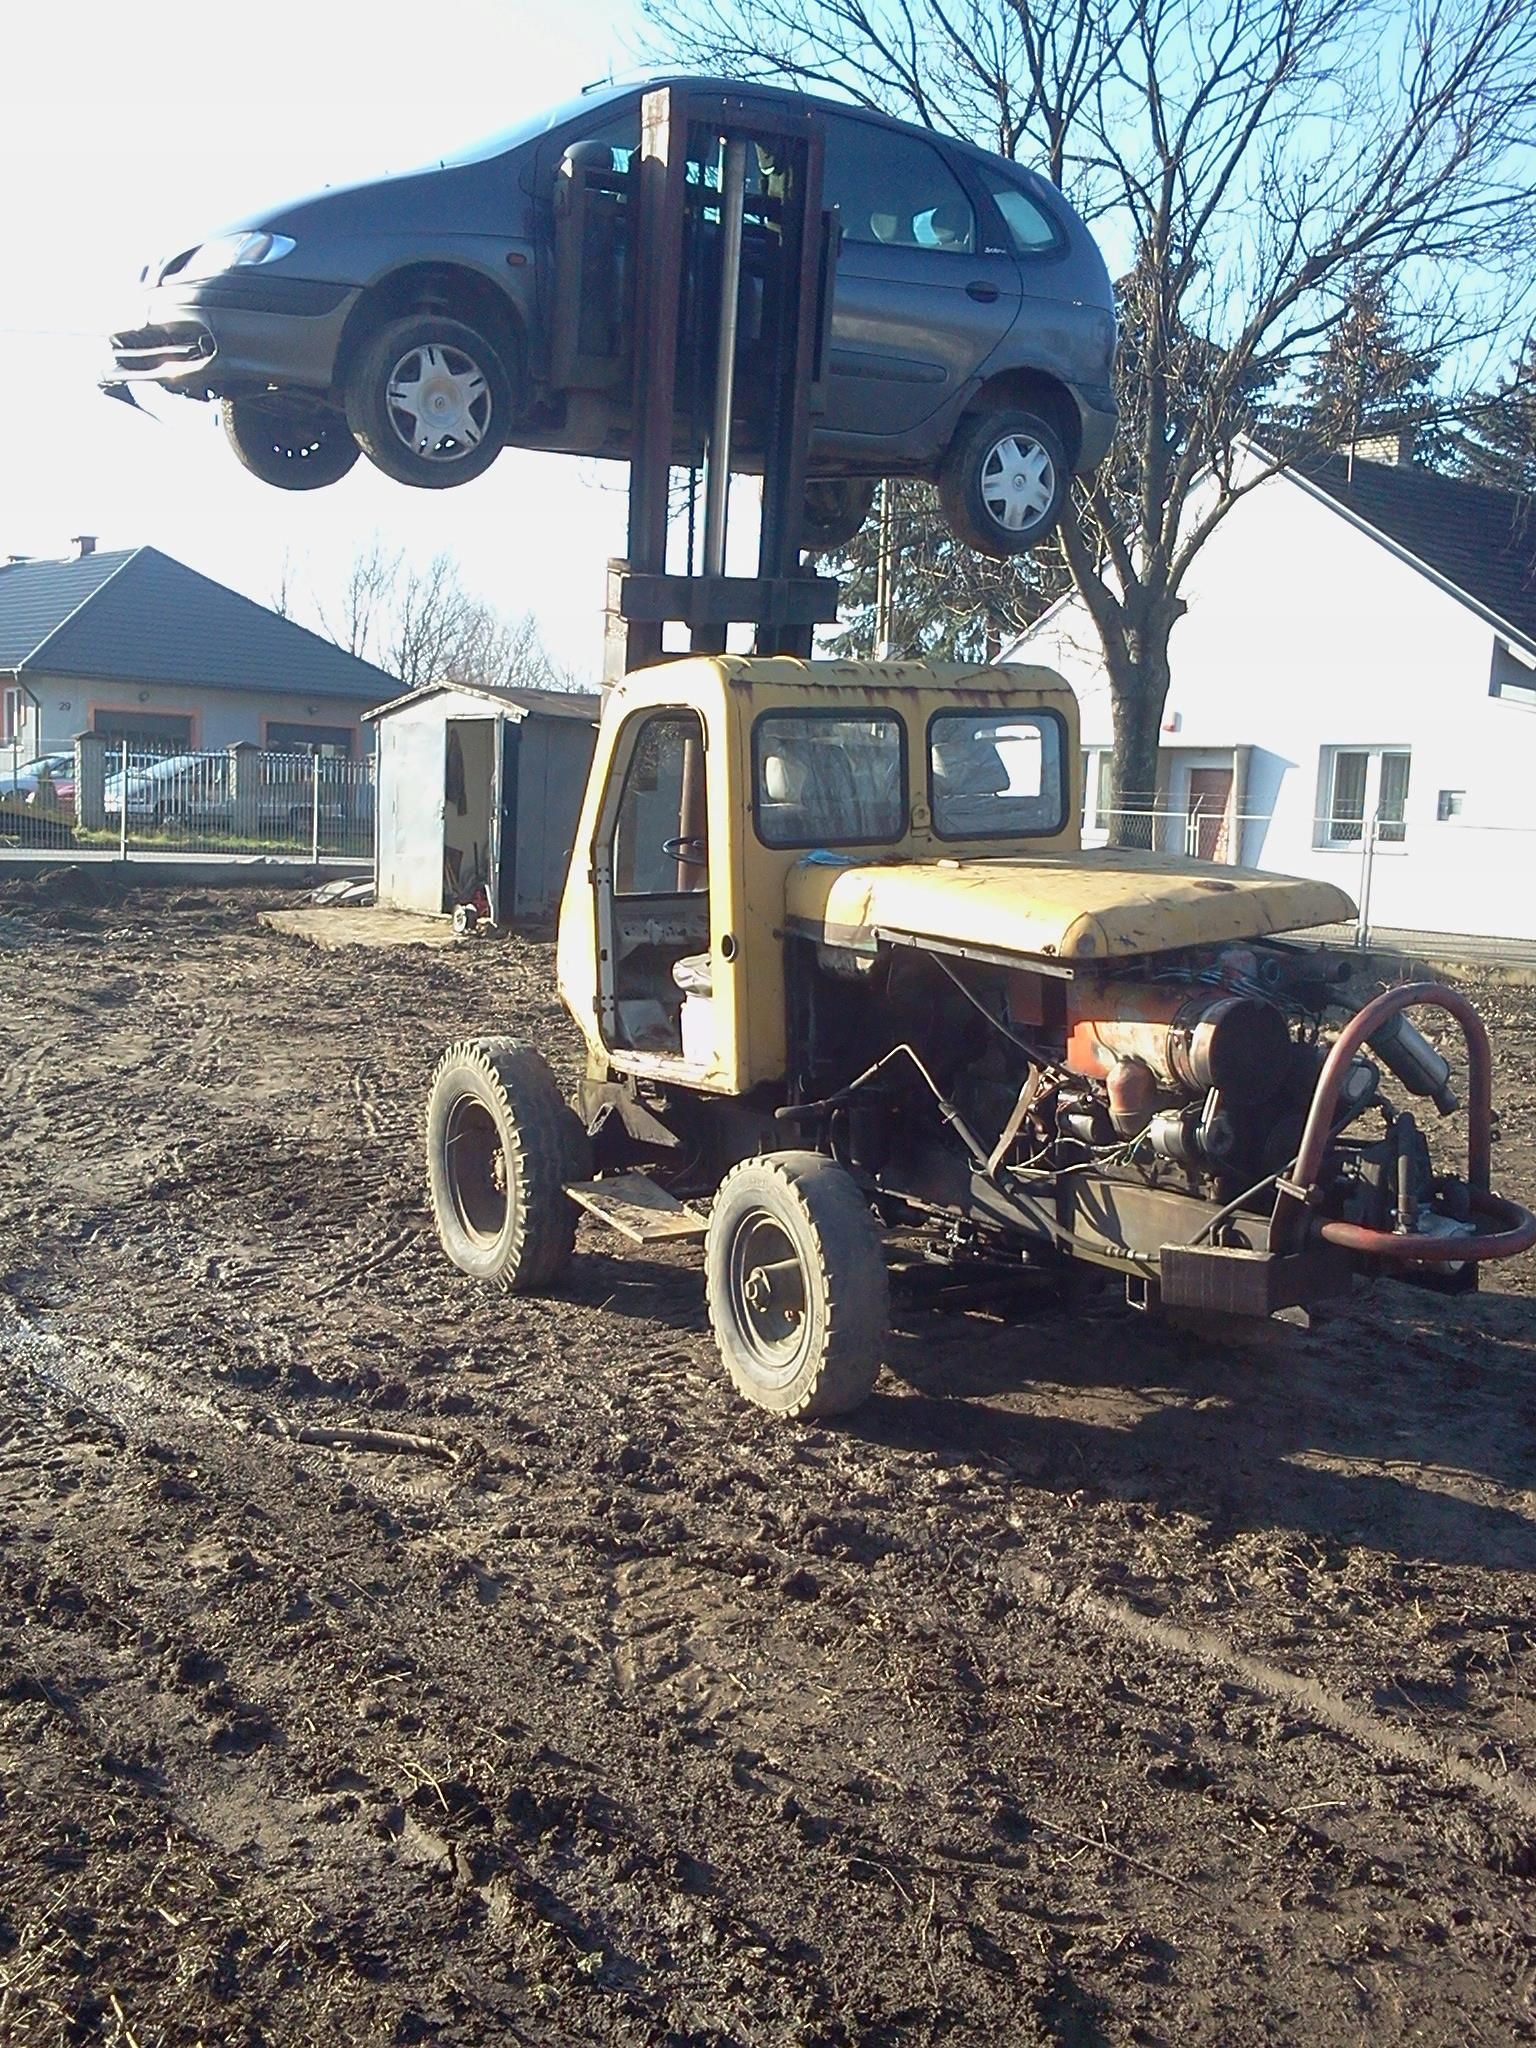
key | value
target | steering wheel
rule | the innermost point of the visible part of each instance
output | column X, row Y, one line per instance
column 689, row 853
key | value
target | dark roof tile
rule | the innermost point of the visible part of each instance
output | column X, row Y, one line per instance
column 137, row 616
column 1481, row 540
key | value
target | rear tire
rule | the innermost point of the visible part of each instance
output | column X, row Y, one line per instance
column 799, row 1297
column 1004, row 482
column 293, row 443
column 429, row 401
column 501, row 1144
column 834, row 512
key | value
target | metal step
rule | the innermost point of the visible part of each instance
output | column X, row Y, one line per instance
column 634, row 1206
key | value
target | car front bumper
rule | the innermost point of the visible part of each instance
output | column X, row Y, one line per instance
column 235, row 333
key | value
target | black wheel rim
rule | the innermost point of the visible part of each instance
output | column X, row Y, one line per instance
column 768, row 1296
column 476, row 1162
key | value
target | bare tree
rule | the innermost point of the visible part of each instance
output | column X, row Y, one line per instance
column 422, row 625
column 1250, row 159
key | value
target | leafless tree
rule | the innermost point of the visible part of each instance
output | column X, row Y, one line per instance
column 420, row 623
column 1245, row 163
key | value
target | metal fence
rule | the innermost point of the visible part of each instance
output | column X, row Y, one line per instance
column 118, row 795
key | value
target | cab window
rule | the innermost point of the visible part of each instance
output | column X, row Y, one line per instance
column 659, row 843
column 997, row 775
column 829, row 780
column 893, row 190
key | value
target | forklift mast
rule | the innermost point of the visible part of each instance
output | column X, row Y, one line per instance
column 727, row 262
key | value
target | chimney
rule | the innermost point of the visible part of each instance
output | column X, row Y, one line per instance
column 83, row 544
column 1394, row 448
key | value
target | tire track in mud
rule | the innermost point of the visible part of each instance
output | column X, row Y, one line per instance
column 1514, row 1792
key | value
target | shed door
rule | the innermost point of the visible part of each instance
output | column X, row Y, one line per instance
column 501, row 889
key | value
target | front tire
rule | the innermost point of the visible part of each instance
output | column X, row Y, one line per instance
column 501, row 1144
column 429, row 402
column 799, row 1297
column 1004, row 482
column 290, row 443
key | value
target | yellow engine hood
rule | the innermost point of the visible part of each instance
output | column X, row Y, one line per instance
column 1074, row 907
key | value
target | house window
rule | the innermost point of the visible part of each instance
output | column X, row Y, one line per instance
column 1098, row 788
column 333, row 740
column 1449, row 804
column 1363, row 785
column 10, row 714
column 153, row 731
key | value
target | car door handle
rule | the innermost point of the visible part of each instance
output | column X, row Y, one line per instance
column 979, row 288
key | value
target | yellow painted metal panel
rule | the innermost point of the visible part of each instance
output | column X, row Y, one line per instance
column 1079, row 908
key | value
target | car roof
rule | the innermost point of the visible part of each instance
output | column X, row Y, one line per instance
column 790, row 96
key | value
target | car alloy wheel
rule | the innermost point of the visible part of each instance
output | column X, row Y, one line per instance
column 429, row 401
column 439, row 402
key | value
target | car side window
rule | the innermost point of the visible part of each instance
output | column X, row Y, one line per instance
column 894, row 190
column 1030, row 227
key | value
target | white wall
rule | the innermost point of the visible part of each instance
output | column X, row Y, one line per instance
column 220, row 718
column 1304, row 633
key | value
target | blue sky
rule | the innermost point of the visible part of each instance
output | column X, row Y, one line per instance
column 121, row 137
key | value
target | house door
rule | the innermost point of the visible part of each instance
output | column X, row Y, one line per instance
column 1210, row 795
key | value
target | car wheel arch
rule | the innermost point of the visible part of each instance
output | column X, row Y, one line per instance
column 1031, row 391
column 452, row 290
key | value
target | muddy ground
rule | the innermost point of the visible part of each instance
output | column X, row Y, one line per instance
column 1096, row 1684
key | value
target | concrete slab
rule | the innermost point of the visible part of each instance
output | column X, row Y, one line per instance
column 181, row 870
column 334, row 926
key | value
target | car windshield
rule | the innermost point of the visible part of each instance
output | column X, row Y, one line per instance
column 589, row 103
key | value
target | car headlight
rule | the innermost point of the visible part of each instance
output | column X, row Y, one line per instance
column 228, row 252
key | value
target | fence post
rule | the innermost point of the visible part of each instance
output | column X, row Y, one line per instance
column 245, row 770
column 314, row 832
column 1367, row 867
column 90, row 781
column 122, row 809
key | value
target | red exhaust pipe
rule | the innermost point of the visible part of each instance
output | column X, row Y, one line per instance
column 1518, row 1231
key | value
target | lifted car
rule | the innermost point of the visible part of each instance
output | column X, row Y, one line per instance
column 427, row 319
column 851, row 991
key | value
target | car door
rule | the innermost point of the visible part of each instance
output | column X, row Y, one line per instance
column 924, row 292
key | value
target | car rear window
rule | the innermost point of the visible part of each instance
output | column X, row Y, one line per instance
column 997, row 774
column 1030, row 228
column 829, row 779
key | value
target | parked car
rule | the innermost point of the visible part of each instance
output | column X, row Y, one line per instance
column 47, row 780
column 197, row 793
column 412, row 318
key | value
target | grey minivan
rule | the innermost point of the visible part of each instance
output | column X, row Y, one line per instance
column 411, row 318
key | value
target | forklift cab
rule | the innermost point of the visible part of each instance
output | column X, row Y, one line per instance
column 717, row 777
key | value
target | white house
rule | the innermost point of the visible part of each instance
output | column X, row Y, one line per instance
column 1353, row 694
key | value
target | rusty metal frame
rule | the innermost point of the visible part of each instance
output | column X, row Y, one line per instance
column 782, row 601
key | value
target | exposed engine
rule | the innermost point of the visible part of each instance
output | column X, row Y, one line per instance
column 1193, row 1073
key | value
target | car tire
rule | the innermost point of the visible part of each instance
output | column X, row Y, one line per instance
column 429, row 401
column 501, row 1145
column 834, row 512
column 1004, row 482
column 795, row 1274
column 297, row 446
